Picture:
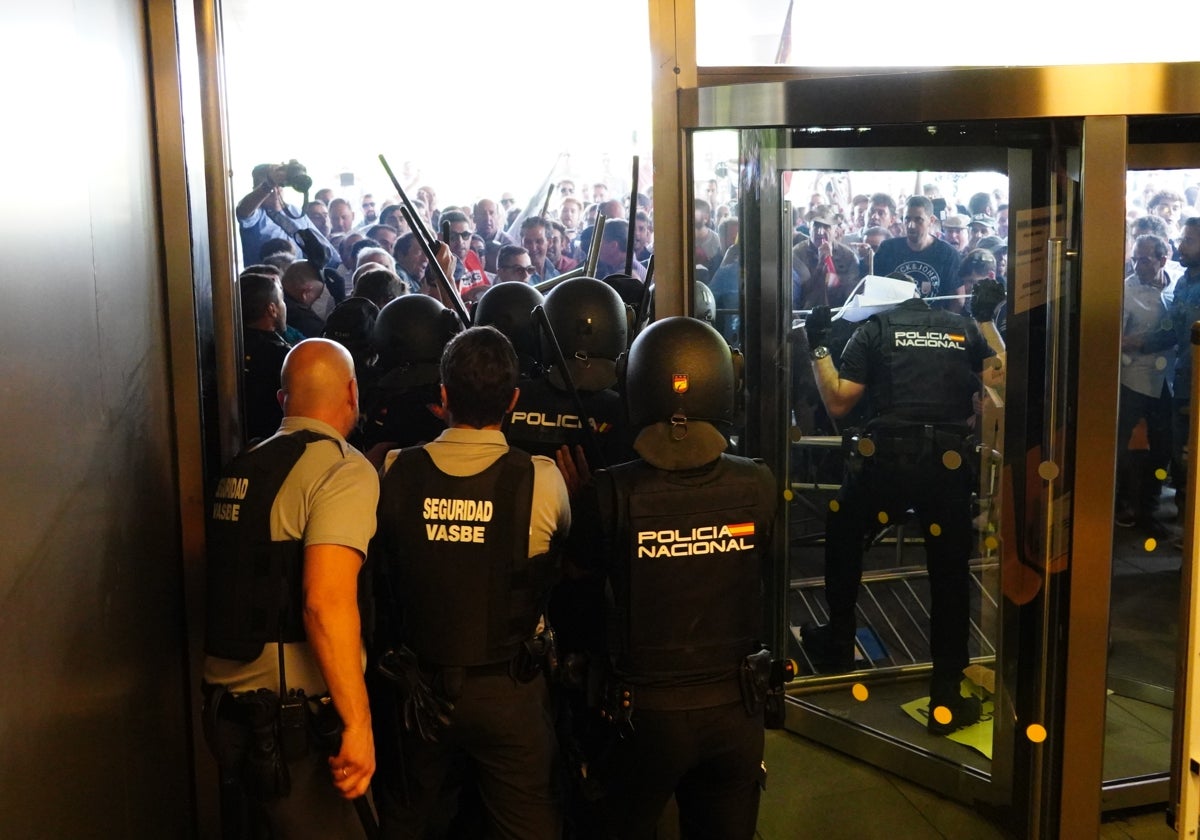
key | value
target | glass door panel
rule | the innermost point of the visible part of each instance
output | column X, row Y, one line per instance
column 1162, row 183
column 791, row 182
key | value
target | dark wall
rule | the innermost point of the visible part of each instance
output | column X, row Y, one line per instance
column 93, row 710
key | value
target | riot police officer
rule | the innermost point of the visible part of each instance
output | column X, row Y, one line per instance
column 681, row 533
column 921, row 368
column 590, row 324
column 469, row 531
column 402, row 406
column 509, row 308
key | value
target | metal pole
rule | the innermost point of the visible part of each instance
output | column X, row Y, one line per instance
column 632, row 218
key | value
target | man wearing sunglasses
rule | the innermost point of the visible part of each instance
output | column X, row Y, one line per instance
column 460, row 240
column 513, row 265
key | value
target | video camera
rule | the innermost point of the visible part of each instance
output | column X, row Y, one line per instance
column 296, row 176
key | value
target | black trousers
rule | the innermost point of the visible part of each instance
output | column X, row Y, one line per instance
column 921, row 476
column 710, row 759
column 504, row 729
column 1139, row 487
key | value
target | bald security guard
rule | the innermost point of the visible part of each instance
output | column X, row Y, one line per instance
column 286, row 713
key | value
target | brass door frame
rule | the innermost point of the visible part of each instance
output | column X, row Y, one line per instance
column 1103, row 96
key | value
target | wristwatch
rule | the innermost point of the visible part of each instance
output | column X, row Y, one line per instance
column 818, row 352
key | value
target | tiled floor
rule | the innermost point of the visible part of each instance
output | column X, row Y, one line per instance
column 815, row 792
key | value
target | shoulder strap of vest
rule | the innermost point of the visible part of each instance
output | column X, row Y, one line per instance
column 516, row 585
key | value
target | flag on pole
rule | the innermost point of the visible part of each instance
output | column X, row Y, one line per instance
column 783, row 55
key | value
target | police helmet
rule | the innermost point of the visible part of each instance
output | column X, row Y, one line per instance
column 679, row 369
column 509, row 308
column 351, row 324
column 589, row 321
column 704, row 303
column 412, row 329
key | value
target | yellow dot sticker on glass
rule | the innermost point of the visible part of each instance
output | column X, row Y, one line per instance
column 991, row 543
column 935, row 530
column 833, row 505
column 951, row 460
column 866, row 447
column 1160, row 474
column 1151, row 544
column 788, row 495
column 860, row 693
column 1036, row 733
column 1048, row 470
column 882, row 517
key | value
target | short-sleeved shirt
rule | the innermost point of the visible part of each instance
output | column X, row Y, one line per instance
column 328, row 498
column 464, row 452
column 935, row 269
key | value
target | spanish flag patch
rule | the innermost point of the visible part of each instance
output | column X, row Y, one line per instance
column 743, row 529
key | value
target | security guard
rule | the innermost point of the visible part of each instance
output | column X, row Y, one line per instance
column 469, row 531
column 681, row 534
column 409, row 336
column 283, row 671
column 590, row 323
column 921, row 368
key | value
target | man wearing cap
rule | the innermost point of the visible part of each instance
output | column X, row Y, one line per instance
column 824, row 271
column 954, row 231
column 921, row 367
column 979, row 227
column 919, row 254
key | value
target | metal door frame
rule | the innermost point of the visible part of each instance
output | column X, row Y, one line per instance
column 1069, row 793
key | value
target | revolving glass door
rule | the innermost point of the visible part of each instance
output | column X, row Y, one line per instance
column 1021, row 179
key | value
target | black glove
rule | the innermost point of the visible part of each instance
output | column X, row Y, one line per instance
column 817, row 327
column 311, row 248
column 985, row 297
column 424, row 712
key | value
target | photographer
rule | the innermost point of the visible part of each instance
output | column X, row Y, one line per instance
column 263, row 215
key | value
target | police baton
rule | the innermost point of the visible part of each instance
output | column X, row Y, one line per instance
column 539, row 315
column 422, row 233
column 643, row 313
column 633, row 192
column 848, row 307
column 594, row 246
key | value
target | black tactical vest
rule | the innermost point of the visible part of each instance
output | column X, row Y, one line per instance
column 929, row 359
column 456, row 550
column 546, row 418
column 686, row 587
column 254, row 583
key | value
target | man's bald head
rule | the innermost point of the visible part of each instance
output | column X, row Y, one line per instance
column 318, row 382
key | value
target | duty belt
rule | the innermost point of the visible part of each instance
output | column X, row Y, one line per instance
column 663, row 698
column 916, row 440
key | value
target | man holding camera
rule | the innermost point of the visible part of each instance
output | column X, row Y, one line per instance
column 263, row 215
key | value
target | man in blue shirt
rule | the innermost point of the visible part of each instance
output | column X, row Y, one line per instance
column 1185, row 310
column 262, row 215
